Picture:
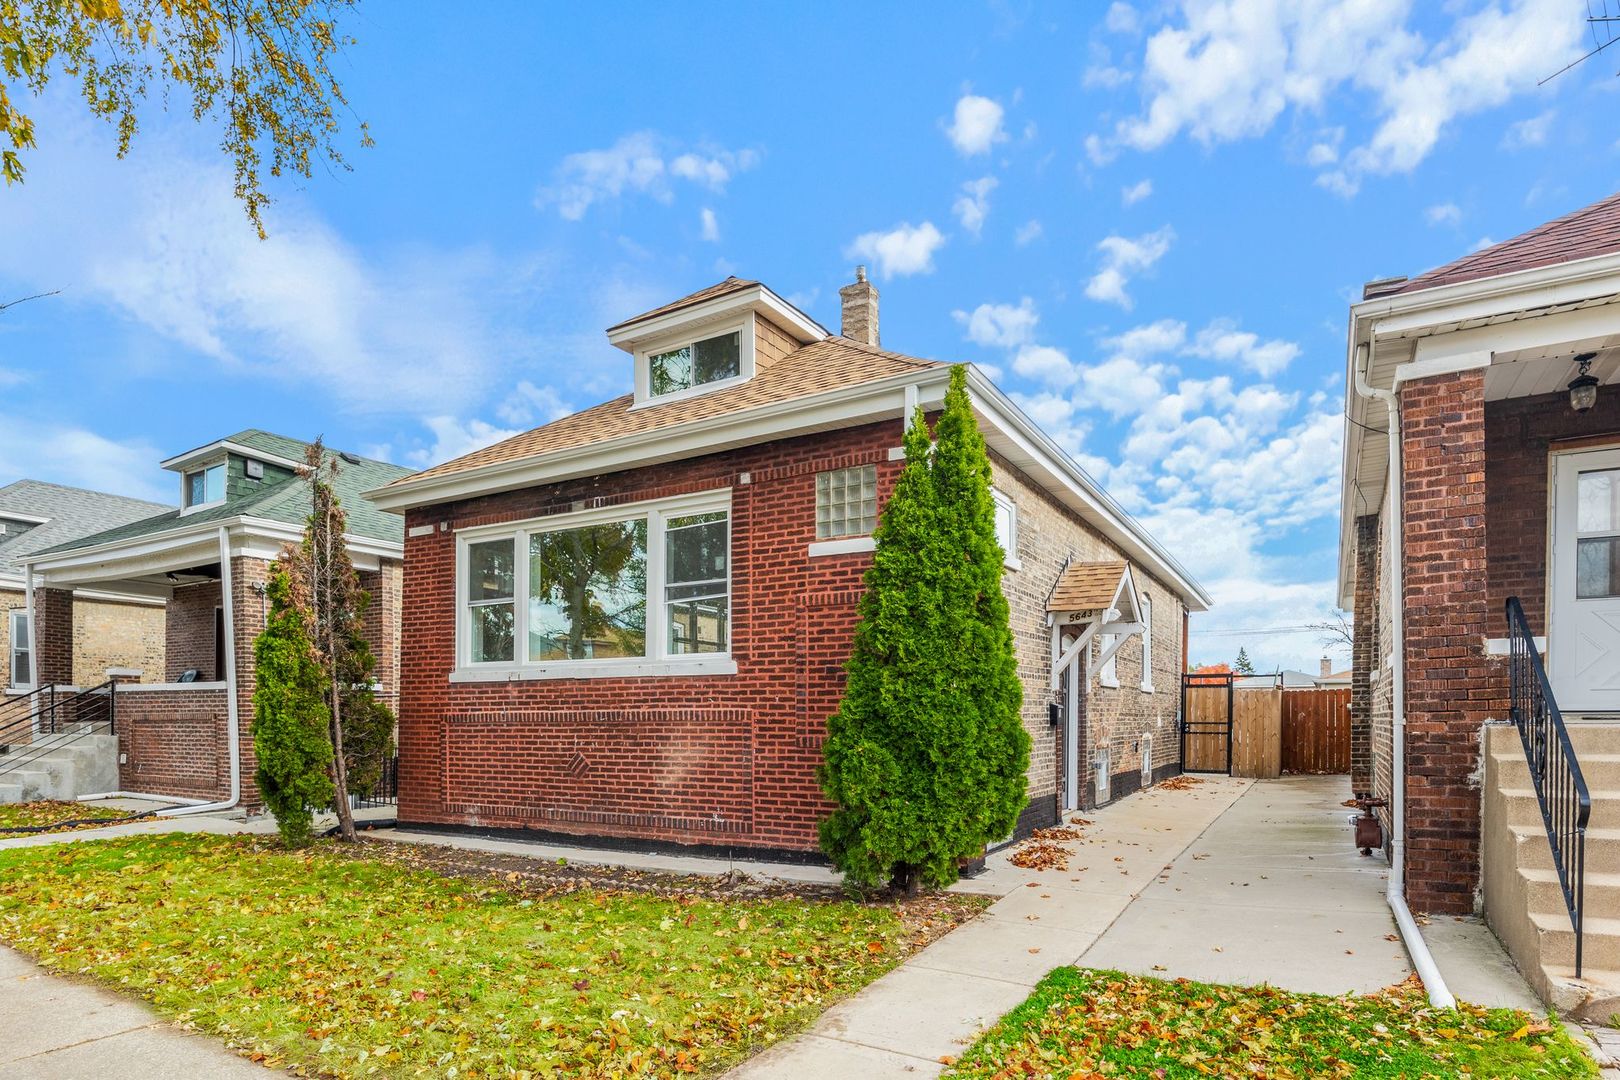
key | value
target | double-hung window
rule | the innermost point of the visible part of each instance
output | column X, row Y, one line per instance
column 637, row 590
column 22, row 649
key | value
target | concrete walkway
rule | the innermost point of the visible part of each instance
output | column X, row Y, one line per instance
column 55, row 1027
column 938, row 1001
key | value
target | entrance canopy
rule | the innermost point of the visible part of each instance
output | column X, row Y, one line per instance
column 1092, row 598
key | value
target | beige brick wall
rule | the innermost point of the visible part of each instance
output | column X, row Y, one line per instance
column 1049, row 535
column 106, row 634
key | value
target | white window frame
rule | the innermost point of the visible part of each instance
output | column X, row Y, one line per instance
column 1146, row 615
column 658, row 661
column 20, row 615
column 691, row 336
column 188, row 507
column 1009, row 555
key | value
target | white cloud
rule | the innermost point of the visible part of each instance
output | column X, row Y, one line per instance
column 1163, row 336
column 1230, row 68
column 1101, row 71
column 530, row 404
column 1222, row 340
column 1027, row 233
column 1043, row 362
column 710, row 224
column 977, row 125
column 1136, row 192
column 1123, row 258
column 62, row 454
column 1529, row 132
column 453, row 437
column 1443, row 214
column 1325, row 149
column 973, row 205
column 1000, row 325
column 1122, row 18
column 1121, row 384
column 636, row 165
column 903, row 250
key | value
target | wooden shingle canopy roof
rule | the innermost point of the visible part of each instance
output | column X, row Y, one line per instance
column 1087, row 586
column 1591, row 230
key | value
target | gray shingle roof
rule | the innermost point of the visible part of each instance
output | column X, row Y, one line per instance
column 286, row 502
column 73, row 513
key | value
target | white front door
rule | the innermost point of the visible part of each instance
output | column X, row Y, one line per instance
column 1583, row 633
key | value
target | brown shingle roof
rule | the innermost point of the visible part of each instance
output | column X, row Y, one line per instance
column 1591, row 230
column 722, row 288
column 821, row 366
column 1086, row 586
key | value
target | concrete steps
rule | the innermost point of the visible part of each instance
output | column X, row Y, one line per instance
column 1523, row 901
column 65, row 765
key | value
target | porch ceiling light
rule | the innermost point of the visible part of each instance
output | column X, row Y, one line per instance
column 1583, row 387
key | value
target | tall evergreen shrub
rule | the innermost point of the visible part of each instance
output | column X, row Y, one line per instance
column 926, row 756
column 290, row 716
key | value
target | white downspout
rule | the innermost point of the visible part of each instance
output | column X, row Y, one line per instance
column 232, row 721
column 1439, row 996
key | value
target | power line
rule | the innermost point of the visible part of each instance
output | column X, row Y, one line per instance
column 1244, row 631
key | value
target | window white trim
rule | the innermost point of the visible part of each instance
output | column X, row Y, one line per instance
column 20, row 615
column 657, row 661
column 1009, row 554
column 188, row 507
column 1147, row 642
column 645, row 351
column 844, row 545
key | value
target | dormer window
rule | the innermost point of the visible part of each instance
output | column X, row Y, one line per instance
column 696, row 364
column 204, row 487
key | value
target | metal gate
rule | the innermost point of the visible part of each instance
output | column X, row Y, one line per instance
column 1206, row 723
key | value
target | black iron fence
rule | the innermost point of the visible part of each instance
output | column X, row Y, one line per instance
column 1566, row 805
column 384, row 790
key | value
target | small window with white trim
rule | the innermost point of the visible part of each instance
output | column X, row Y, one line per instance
column 695, row 364
column 1006, row 528
column 846, row 502
column 204, row 487
column 22, row 649
column 1147, row 643
column 491, row 601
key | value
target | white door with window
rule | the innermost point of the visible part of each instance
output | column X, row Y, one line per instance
column 1583, row 632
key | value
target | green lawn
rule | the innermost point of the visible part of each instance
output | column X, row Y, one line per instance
column 351, row 965
column 46, row 812
column 1084, row 1024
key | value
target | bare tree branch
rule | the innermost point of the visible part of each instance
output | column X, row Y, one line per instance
column 1338, row 631
column 24, row 300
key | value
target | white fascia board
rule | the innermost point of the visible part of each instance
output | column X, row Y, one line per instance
column 214, row 449
column 1541, row 286
column 881, row 399
column 1081, row 489
column 758, row 299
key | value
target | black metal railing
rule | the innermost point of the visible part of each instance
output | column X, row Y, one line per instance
column 384, row 791
column 1566, row 805
column 50, row 717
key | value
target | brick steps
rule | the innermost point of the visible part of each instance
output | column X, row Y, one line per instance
column 1523, row 901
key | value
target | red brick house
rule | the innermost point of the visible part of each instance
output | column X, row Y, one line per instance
column 1480, row 552
column 630, row 623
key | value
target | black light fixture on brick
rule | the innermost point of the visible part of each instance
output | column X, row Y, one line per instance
column 1583, row 387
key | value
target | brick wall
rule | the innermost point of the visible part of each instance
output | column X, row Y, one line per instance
column 1382, row 690
column 189, row 632
column 53, row 636
column 1519, row 437
column 707, row 759
column 174, row 742
column 382, row 625
column 1450, row 685
column 106, row 634
column 1364, row 652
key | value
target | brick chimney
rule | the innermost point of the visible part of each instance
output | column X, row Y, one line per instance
column 860, row 315
column 1327, row 667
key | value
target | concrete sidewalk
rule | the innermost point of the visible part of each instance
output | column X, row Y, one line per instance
column 54, row 1027
column 939, row 1000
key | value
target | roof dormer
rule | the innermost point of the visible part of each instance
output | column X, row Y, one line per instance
column 709, row 340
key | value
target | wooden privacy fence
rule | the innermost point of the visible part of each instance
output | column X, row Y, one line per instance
column 1316, row 731
column 1263, row 733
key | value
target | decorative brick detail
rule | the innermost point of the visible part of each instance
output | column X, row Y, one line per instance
column 1364, row 650
column 1451, row 688
column 174, row 742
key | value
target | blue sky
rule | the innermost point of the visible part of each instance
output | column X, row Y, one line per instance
column 1149, row 219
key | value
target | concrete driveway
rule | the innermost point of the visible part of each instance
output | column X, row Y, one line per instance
column 1271, row 892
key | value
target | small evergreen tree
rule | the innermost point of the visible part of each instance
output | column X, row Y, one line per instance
column 1241, row 665
column 290, row 716
column 926, row 756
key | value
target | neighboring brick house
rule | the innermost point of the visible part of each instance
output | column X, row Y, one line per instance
column 112, row 631
column 1482, row 464
column 631, row 623
column 207, row 563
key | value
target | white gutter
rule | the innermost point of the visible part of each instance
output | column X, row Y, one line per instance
column 1439, row 996
column 232, row 723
